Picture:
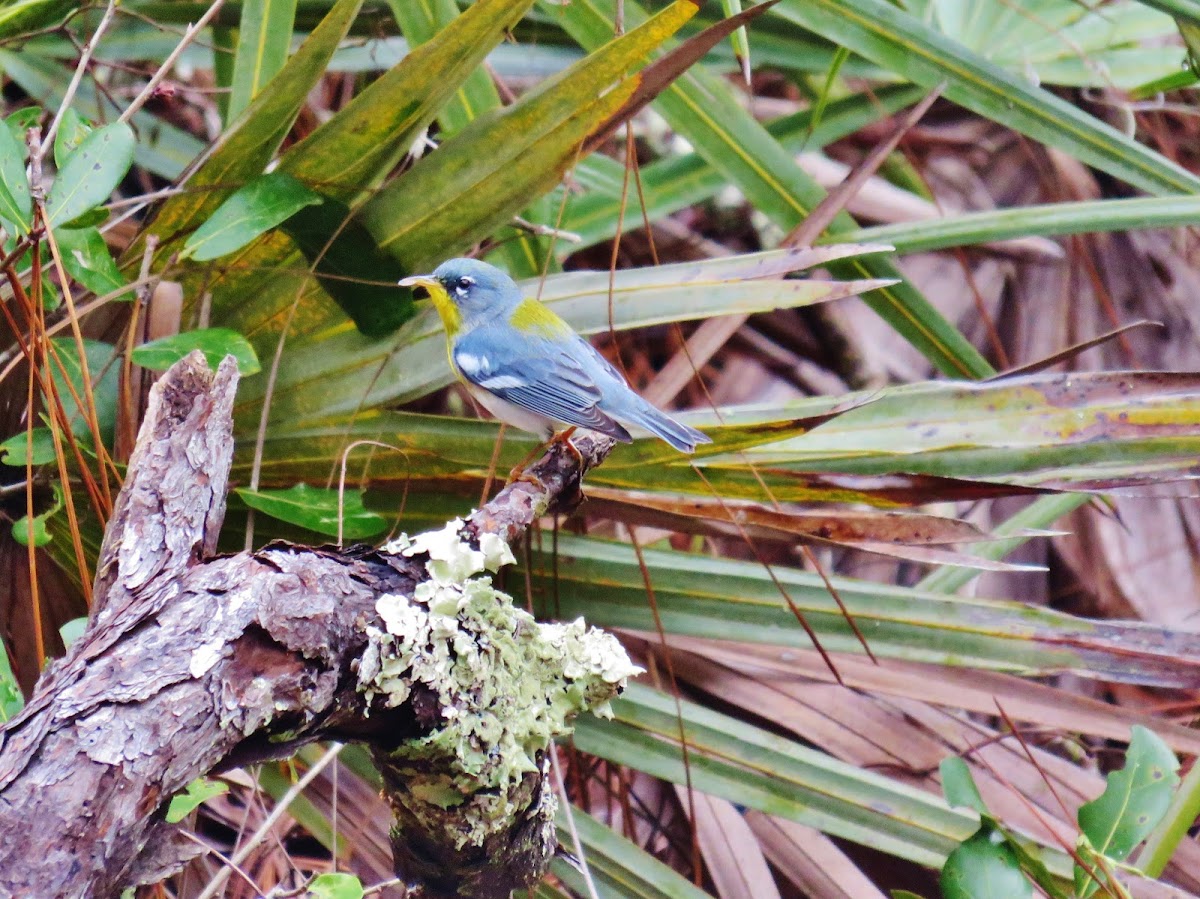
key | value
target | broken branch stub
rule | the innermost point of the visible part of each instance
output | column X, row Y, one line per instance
column 192, row 664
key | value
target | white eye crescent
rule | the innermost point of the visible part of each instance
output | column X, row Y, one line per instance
column 464, row 284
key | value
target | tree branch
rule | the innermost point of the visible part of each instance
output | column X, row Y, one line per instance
column 192, row 664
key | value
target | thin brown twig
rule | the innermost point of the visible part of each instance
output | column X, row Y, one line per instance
column 33, row 313
column 84, row 59
column 189, row 35
column 89, row 406
column 265, row 828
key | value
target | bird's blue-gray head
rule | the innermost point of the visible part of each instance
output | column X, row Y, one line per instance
column 463, row 289
column 476, row 287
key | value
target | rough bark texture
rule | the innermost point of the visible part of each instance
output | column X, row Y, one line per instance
column 192, row 664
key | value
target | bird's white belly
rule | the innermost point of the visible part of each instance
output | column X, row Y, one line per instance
column 512, row 414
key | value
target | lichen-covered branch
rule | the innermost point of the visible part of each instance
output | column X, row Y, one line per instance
column 194, row 664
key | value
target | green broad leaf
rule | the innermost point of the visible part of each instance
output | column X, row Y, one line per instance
column 162, row 148
column 318, row 510
column 349, row 370
column 619, row 867
column 192, row 797
column 754, row 768
column 489, row 171
column 703, row 108
column 1047, row 220
column 984, row 867
column 87, row 259
column 361, row 144
column 250, row 141
column 14, row 450
column 723, row 599
column 51, row 298
column 335, row 886
column 90, row 219
column 958, row 786
column 26, row 16
column 16, row 204
column 264, row 38
column 351, row 268
column 90, row 173
column 72, row 630
column 912, row 49
column 422, row 22
column 214, row 343
column 71, row 132
column 249, row 212
column 1133, row 802
column 22, row 120
column 674, row 183
column 904, row 894
column 224, row 42
column 348, row 157
column 104, row 369
column 11, row 699
column 522, row 254
column 26, row 530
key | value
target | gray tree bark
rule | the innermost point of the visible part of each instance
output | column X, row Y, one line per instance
column 192, row 664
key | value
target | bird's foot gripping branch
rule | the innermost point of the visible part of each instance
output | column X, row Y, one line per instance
column 192, row 664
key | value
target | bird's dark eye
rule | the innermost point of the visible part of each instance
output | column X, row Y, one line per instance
column 465, row 282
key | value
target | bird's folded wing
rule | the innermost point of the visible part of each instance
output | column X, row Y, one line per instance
column 549, row 383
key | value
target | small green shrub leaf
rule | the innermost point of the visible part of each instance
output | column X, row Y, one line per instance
column 72, row 630
column 11, row 699
column 317, row 510
column 1133, row 802
column 214, row 343
column 254, row 209
column 71, row 131
column 959, row 786
column 90, row 173
column 26, row 16
column 194, row 795
column 22, row 120
column 28, row 530
column 87, row 259
column 984, row 867
column 13, row 450
column 336, row 886
column 16, row 206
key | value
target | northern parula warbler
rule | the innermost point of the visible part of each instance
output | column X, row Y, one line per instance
column 527, row 367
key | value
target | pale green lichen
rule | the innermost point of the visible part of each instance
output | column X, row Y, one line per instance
column 506, row 685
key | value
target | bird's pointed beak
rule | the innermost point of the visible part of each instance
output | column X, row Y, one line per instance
column 436, row 292
column 426, row 281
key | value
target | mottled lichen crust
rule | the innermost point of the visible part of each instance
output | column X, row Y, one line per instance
column 505, row 685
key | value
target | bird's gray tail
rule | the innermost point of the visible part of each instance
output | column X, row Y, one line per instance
column 658, row 423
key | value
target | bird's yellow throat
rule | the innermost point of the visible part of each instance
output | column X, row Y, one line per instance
column 446, row 308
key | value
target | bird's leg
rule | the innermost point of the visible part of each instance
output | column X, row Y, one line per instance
column 565, row 437
column 518, row 473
